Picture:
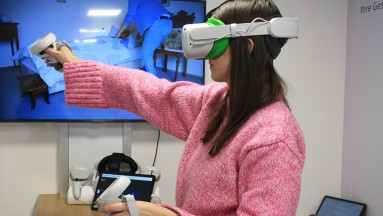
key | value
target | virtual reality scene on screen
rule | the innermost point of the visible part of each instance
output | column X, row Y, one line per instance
column 122, row 33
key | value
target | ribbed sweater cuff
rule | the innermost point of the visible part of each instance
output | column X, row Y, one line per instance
column 83, row 84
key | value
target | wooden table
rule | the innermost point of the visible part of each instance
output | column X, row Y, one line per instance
column 8, row 31
column 53, row 204
column 33, row 85
column 177, row 54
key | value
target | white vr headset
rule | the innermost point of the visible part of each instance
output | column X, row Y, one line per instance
column 210, row 40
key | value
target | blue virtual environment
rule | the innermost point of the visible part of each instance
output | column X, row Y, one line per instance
column 91, row 35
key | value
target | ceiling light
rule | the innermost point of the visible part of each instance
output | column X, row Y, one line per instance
column 104, row 12
column 91, row 30
column 89, row 40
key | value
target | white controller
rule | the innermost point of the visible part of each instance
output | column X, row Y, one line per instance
column 111, row 194
column 49, row 40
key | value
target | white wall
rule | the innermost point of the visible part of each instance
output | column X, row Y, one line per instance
column 314, row 67
column 28, row 164
column 362, row 175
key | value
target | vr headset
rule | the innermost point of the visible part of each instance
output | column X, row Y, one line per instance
column 210, row 40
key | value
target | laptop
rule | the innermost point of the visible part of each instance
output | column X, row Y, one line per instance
column 141, row 186
column 332, row 206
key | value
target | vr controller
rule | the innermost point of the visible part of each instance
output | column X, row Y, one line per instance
column 49, row 40
column 113, row 192
column 79, row 192
column 209, row 40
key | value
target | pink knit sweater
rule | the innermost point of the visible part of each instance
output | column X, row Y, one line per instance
column 257, row 173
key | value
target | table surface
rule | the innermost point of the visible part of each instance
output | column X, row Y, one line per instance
column 53, row 204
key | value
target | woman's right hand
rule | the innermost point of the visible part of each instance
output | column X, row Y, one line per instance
column 63, row 55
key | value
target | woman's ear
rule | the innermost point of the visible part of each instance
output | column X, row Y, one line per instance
column 250, row 45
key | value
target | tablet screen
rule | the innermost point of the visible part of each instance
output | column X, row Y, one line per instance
column 141, row 186
column 340, row 207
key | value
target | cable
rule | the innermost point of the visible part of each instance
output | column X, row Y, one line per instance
column 265, row 22
column 158, row 140
column 158, row 173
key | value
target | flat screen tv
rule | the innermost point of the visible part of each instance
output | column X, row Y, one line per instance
column 31, row 91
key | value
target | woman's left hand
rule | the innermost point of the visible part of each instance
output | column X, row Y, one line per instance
column 114, row 209
column 144, row 209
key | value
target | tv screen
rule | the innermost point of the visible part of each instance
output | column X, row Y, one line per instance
column 31, row 91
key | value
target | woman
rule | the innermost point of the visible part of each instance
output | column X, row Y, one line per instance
column 244, row 151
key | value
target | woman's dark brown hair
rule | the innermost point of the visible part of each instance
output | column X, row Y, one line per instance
column 254, row 82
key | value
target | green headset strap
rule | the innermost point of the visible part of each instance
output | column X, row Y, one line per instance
column 220, row 45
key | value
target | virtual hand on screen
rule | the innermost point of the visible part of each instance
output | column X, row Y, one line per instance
column 138, row 36
column 63, row 55
column 123, row 32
